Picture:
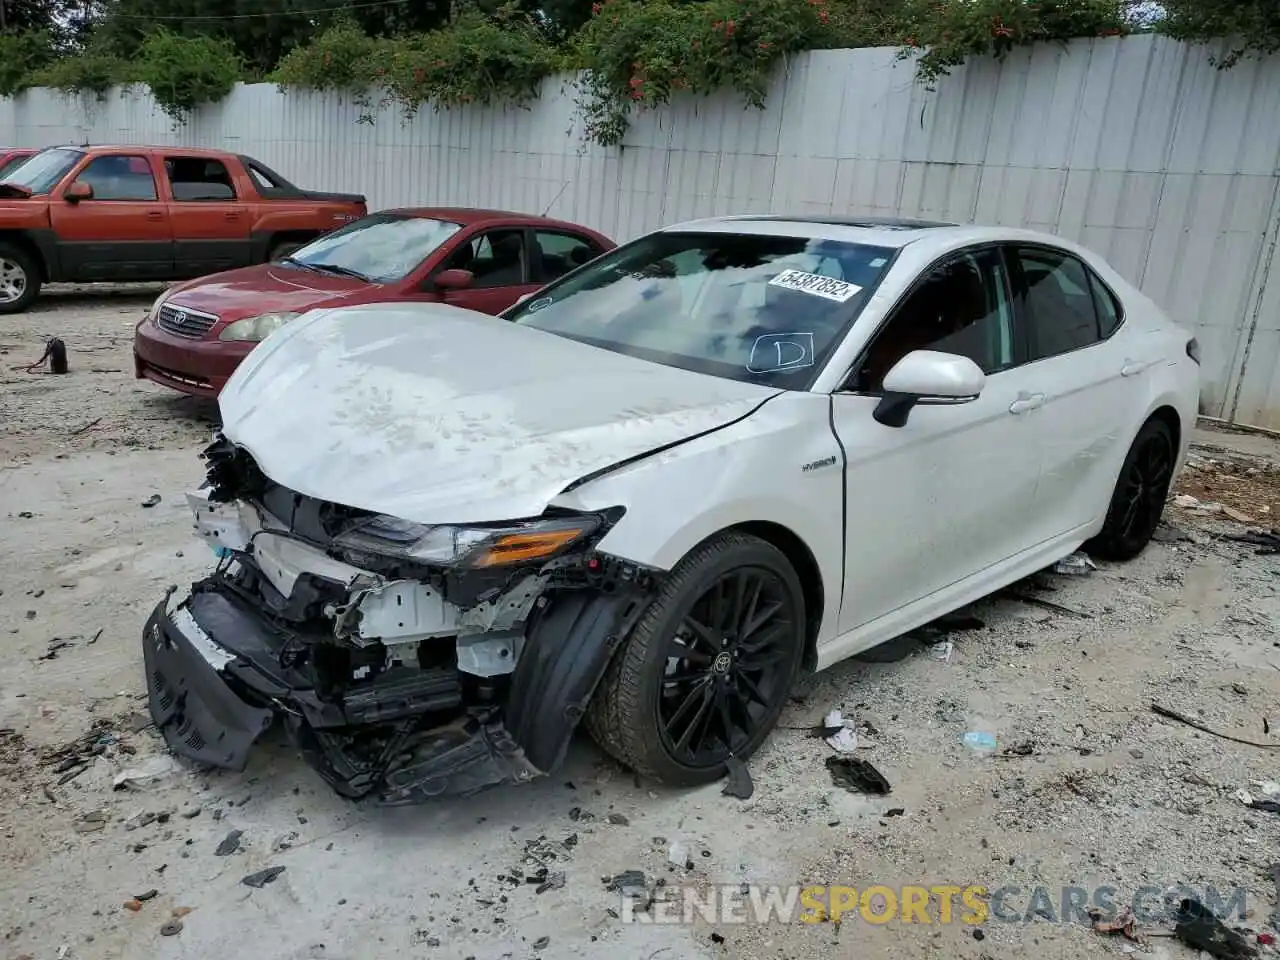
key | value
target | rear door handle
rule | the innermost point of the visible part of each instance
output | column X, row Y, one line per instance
column 1025, row 402
column 155, row 215
column 1132, row 368
column 232, row 215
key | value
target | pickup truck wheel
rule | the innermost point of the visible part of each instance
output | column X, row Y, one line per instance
column 19, row 279
column 284, row 249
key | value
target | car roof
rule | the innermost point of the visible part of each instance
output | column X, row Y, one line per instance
column 890, row 232
column 470, row 216
column 144, row 148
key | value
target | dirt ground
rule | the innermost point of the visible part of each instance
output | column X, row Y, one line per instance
column 1088, row 787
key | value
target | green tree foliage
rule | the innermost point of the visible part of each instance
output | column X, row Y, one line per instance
column 1253, row 26
column 184, row 72
column 21, row 54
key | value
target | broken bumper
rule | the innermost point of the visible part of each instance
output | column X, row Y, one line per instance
column 218, row 674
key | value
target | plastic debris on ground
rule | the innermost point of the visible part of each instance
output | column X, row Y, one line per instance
column 632, row 885
column 1199, row 929
column 857, row 776
column 150, row 771
column 980, row 742
column 262, row 877
column 739, row 783
column 838, row 732
column 1267, row 541
column 942, row 651
column 1078, row 564
column 1125, row 923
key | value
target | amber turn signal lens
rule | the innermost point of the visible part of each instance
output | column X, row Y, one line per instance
column 518, row 547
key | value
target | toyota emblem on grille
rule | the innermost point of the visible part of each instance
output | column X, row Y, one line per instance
column 180, row 317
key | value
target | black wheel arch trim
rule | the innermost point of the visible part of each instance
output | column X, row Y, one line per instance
column 44, row 242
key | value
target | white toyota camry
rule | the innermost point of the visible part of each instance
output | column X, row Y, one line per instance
column 651, row 495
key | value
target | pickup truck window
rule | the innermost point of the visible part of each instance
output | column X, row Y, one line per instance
column 198, row 178
column 262, row 180
column 41, row 173
column 119, row 177
column 381, row 248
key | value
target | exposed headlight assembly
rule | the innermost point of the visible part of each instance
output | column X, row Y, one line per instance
column 468, row 546
column 256, row 329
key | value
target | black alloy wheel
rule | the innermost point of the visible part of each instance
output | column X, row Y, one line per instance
column 707, row 670
column 1138, row 502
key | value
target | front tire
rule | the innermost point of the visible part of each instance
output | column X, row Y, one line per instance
column 1140, row 494
column 19, row 279
column 706, row 672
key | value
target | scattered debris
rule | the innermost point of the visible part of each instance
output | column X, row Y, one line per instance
column 180, row 912
column 541, row 943
column 133, row 904
column 618, row 820
column 1024, row 749
column 92, row 821
column 1125, row 923
column 1267, row 542
column 262, row 877
column 1079, row 564
column 942, row 650
column 1199, row 929
column 554, row 881
column 72, row 774
column 149, row 895
column 1186, row 501
column 678, row 854
column 857, row 775
column 1269, row 806
column 230, row 844
column 56, row 645
column 150, row 771
column 284, row 841
column 151, row 501
column 980, row 742
column 1182, row 718
column 171, row 928
column 739, row 783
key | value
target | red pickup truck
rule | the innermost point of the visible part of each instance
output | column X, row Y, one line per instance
column 91, row 214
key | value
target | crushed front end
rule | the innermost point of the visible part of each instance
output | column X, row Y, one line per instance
column 405, row 661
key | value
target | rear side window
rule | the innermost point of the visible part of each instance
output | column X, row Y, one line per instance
column 1110, row 315
column 1057, row 302
column 558, row 253
column 198, row 178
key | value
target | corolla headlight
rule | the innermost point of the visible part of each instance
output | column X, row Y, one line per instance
column 155, row 307
column 256, row 329
column 467, row 546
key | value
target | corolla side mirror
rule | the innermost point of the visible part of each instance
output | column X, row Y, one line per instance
column 928, row 378
column 78, row 191
column 454, row 279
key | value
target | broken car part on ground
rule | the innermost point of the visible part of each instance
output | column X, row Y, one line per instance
column 400, row 666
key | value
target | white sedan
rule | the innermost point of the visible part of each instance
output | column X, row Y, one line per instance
column 654, row 493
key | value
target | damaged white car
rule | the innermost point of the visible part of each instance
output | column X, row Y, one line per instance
column 650, row 496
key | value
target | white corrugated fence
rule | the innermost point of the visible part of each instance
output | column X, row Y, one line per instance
column 1137, row 147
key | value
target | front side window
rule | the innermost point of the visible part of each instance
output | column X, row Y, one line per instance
column 382, row 247
column 119, row 177
column 9, row 167
column 754, row 308
column 42, row 172
column 495, row 259
column 960, row 307
column 1057, row 302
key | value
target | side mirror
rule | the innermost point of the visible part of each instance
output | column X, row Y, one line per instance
column 929, row 378
column 454, row 279
column 78, row 191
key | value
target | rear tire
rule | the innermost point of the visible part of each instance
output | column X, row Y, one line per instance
column 284, row 249
column 707, row 670
column 19, row 278
column 1140, row 494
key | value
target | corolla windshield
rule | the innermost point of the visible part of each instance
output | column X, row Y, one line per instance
column 766, row 309
column 41, row 172
column 382, row 247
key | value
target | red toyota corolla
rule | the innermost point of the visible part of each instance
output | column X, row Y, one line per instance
column 198, row 332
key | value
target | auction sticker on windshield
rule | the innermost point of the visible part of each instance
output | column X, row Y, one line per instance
column 826, row 287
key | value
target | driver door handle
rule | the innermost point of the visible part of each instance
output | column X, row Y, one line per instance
column 1132, row 368
column 1026, row 402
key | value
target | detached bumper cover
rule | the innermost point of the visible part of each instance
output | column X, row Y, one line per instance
column 217, row 675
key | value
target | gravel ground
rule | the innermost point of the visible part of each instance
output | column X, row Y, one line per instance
column 1098, row 791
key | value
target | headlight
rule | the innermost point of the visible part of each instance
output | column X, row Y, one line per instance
column 155, row 307
column 256, row 329
column 494, row 546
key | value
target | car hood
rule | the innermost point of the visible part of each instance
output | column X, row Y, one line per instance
column 436, row 414
column 266, row 288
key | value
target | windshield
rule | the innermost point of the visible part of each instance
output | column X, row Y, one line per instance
column 41, row 173
column 380, row 247
column 753, row 308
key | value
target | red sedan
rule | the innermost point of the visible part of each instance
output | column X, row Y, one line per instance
column 198, row 332
column 11, row 158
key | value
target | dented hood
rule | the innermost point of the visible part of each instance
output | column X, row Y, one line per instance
column 436, row 414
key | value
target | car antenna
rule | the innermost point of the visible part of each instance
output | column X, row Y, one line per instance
column 555, row 198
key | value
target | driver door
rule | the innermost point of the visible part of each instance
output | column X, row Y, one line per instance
column 950, row 493
column 500, row 263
